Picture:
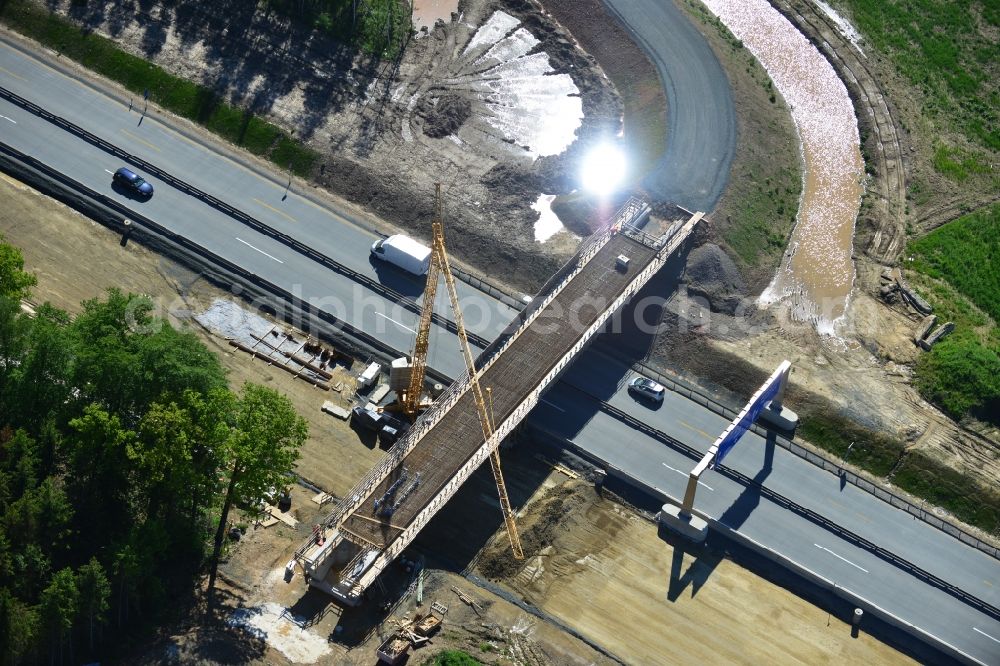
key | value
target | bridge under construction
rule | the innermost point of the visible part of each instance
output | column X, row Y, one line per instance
column 383, row 513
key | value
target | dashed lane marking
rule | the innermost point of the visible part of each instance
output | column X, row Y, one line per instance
column 140, row 140
column 275, row 210
column 259, row 250
column 688, row 475
column 841, row 558
column 379, row 314
column 986, row 634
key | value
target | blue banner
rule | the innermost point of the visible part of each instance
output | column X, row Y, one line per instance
column 726, row 445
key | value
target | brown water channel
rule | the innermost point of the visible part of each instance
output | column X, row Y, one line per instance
column 817, row 272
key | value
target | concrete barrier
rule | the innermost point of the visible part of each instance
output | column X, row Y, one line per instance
column 843, row 593
column 791, row 564
column 238, row 215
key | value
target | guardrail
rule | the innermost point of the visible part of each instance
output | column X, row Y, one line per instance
column 554, row 369
column 805, row 512
column 509, row 298
column 236, row 214
column 446, row 401
column 882, row 493
column 842, row 592
column 143, row 224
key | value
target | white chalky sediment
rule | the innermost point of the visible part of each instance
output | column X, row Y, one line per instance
column 817, row 271
column 498, row 25
column 523, row 101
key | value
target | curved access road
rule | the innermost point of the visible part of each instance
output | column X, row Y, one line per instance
column 701, row 118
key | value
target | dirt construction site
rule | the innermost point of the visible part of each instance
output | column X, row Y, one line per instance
column 388, row 131
column 600, row 584
column 596, row 586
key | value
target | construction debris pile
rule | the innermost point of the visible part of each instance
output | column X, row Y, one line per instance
column 895, row 290
column 411, row 633
column 302, row 356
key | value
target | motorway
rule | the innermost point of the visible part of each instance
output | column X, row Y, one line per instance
column 242, row 188
column 571, row 412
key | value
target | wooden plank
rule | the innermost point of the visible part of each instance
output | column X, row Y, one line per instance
column 270, row 521
column 322, row 498
column 333, row 409
column 283, row 517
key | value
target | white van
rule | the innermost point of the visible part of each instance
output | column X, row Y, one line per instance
column 404, row 252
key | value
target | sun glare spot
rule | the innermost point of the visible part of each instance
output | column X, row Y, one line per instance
column 603, row 169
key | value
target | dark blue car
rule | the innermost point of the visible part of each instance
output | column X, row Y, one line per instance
column 132, row 182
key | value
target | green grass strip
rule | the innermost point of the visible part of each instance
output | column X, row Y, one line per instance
column 943, row 486
column 917, row 474
column 872, row 451
column 957, row 268
column 184, row 98
column 966, row 254
column 947, row 49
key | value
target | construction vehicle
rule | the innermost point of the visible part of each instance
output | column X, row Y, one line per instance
column 403, row 252
column 410, row 399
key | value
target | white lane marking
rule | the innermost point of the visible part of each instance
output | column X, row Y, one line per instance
column 110, row 171
column 553, row 405
column 379, row 314
column 259, row 250
column 841, row 558
column 688, row 475
column 10, row 119
column 986, row 634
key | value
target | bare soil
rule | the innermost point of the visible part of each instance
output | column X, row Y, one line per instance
column 602, row 568
column 51, row 237
column 594, row 565
column 380, row 149
column 864, row 373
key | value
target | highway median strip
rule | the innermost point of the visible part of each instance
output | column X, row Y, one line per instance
column 238, row 215
column 796, row 508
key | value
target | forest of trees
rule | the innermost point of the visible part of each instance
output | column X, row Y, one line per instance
column 121, row 451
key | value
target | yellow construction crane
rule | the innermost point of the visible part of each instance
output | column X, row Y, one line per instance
column 410, row 401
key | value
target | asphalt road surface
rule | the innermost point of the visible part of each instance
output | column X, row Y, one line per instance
column 701, row 119
column 262, row 197
column 242, row 188
column 571, row 414
column 570, row 411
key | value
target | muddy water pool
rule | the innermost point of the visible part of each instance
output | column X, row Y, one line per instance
column 817, row 272
column 427, row 12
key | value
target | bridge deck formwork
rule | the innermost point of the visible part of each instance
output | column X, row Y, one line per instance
column 386, row 510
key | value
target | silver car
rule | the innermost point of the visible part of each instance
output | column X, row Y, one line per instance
column 647, row 388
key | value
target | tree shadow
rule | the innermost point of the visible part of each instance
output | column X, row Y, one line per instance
column 258, row 56
column 228, row 644
column 154, row 36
